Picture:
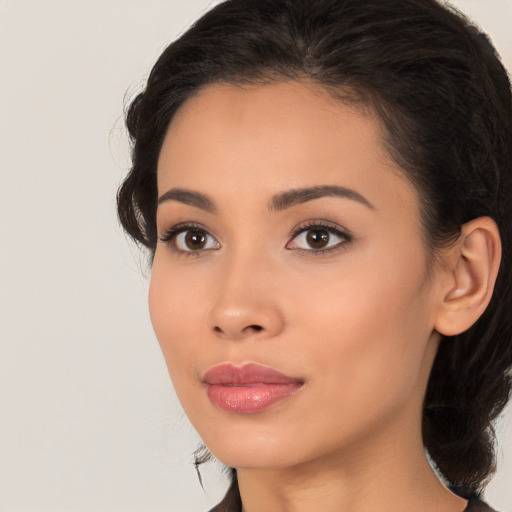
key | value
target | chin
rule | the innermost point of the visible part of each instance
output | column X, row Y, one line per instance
column 240, row 448
column 236, row 457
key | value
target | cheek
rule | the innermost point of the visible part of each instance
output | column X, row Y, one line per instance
column 370, row 326
column 174, row 308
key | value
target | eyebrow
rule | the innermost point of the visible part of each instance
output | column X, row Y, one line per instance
column 189, row 197
column 279, row 202
column 294, row 197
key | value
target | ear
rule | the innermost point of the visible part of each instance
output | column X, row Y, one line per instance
column 470, row 268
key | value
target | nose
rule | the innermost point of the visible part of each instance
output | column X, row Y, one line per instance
column 246, row 304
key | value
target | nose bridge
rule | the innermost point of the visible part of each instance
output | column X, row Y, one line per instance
column 244, row 304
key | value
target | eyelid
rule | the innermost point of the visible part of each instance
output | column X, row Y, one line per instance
column 170, row 235
column 327, row 225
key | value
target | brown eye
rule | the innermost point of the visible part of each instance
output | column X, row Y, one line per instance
column 195, row 240
column 317, row 238
column 191, row 240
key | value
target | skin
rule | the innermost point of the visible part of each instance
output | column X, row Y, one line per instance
column 357, row 324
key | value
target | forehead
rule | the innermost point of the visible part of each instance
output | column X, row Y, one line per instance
column 275, row 136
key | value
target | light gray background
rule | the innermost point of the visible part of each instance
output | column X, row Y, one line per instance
column 88, row 418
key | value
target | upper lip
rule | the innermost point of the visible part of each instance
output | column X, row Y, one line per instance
column 228, row 374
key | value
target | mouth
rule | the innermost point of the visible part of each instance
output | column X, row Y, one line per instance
column 249, row 388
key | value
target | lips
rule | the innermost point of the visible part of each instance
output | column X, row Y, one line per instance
column 249, row 388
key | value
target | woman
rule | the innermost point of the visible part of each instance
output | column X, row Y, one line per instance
column 324, row 187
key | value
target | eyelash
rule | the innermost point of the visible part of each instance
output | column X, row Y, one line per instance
column 171, row 234
column 331, row 228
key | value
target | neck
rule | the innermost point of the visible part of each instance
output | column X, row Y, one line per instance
column 390, row 474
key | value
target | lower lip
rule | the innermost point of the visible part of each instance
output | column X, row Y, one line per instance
column 250, row 398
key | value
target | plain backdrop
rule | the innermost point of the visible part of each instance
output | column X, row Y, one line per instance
column 88, row 418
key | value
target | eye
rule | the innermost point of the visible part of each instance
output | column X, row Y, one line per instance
column 318, row 238
column 189, row 238
column 194, row 240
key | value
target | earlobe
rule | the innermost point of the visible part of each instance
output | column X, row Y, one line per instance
column 471, row 268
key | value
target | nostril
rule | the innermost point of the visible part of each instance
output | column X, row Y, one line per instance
column 255, row 327
column 235, row 333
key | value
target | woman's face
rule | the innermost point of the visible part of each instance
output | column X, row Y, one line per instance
column 289, row 290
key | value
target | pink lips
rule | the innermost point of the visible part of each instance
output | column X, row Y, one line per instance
column 249, row 388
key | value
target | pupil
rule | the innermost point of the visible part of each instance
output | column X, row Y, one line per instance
column 317, row 238
column 195, row 239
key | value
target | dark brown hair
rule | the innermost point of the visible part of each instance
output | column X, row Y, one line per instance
column 443, row 96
